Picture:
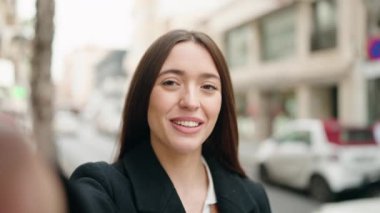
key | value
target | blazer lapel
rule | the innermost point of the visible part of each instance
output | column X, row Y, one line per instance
column 230, row 192
column 153, row 190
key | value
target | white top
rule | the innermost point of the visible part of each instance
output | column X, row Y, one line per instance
column 211, row 197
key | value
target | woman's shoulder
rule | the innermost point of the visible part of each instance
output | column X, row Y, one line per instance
column 100, row 175
column 104, row 186
column 253, row 186
column 258, row 193
column 96, row 170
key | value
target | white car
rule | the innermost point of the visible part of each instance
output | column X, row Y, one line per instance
column 320, row 156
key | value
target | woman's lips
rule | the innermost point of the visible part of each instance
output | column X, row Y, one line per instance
column 187, row 125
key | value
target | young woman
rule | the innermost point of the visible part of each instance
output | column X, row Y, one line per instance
column 179, row 138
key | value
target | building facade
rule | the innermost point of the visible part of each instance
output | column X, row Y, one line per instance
column 295, row 58
column 301, row 59
column 90, row 71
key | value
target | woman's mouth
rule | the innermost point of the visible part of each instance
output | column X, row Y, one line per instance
column 187, row 125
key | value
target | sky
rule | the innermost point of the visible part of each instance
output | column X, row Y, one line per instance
column 104, row 23
column 177, row 7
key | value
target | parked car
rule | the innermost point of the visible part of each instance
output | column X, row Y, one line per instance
column 367, row 205
column 320, row 156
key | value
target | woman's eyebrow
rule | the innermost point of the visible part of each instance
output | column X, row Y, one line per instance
column 171, row 71
column 181, row 73
column 210, row 75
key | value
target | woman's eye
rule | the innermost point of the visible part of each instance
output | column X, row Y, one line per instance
column 169, row 83
column 209, row 87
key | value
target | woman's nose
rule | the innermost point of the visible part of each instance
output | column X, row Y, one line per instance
column 189, row 100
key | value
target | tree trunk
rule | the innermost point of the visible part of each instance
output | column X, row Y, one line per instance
column 42, row 91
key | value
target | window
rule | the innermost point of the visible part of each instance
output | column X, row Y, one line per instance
column 277, row 33
column 295, row 137
column 356, row 136
column 237, row 46
column 324, row 25
column 303, row 137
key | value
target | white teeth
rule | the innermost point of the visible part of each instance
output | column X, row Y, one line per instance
column 187, row 123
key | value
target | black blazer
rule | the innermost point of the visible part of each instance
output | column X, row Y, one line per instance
column 138, row 183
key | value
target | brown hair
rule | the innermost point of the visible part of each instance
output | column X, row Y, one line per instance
column 223, row 140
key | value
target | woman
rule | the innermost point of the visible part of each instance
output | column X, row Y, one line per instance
column 179, row 138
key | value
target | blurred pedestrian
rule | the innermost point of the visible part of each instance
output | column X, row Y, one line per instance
column 179, row 138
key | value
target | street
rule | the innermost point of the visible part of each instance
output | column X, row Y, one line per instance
column 88, row 146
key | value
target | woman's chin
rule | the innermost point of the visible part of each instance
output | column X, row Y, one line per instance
column 185, row 147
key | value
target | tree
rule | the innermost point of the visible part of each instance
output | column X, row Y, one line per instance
column 42, row 91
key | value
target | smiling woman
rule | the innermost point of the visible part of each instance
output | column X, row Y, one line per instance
column 185, row 101
column 179, row 138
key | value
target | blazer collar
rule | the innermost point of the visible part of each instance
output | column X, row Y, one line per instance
column 154, row 191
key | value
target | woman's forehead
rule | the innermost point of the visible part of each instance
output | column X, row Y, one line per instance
column 190, row 56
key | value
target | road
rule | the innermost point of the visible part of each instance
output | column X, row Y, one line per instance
column 89, row 146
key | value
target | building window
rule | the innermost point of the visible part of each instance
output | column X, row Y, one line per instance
column 237, row 46
column 324, row 25
column 277, row 33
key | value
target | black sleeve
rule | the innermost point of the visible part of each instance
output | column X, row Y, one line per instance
column 75, row 202
column 91, row 189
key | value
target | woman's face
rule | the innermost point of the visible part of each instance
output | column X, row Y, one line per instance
column 185, row 101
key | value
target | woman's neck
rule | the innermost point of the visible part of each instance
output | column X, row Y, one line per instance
column 181, row 168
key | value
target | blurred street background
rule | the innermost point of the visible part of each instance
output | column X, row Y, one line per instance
column 289, row 59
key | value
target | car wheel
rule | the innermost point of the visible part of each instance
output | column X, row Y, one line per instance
column 320, row 189
column 263, row 174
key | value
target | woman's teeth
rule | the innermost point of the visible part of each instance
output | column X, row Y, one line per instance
column 187, row 123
